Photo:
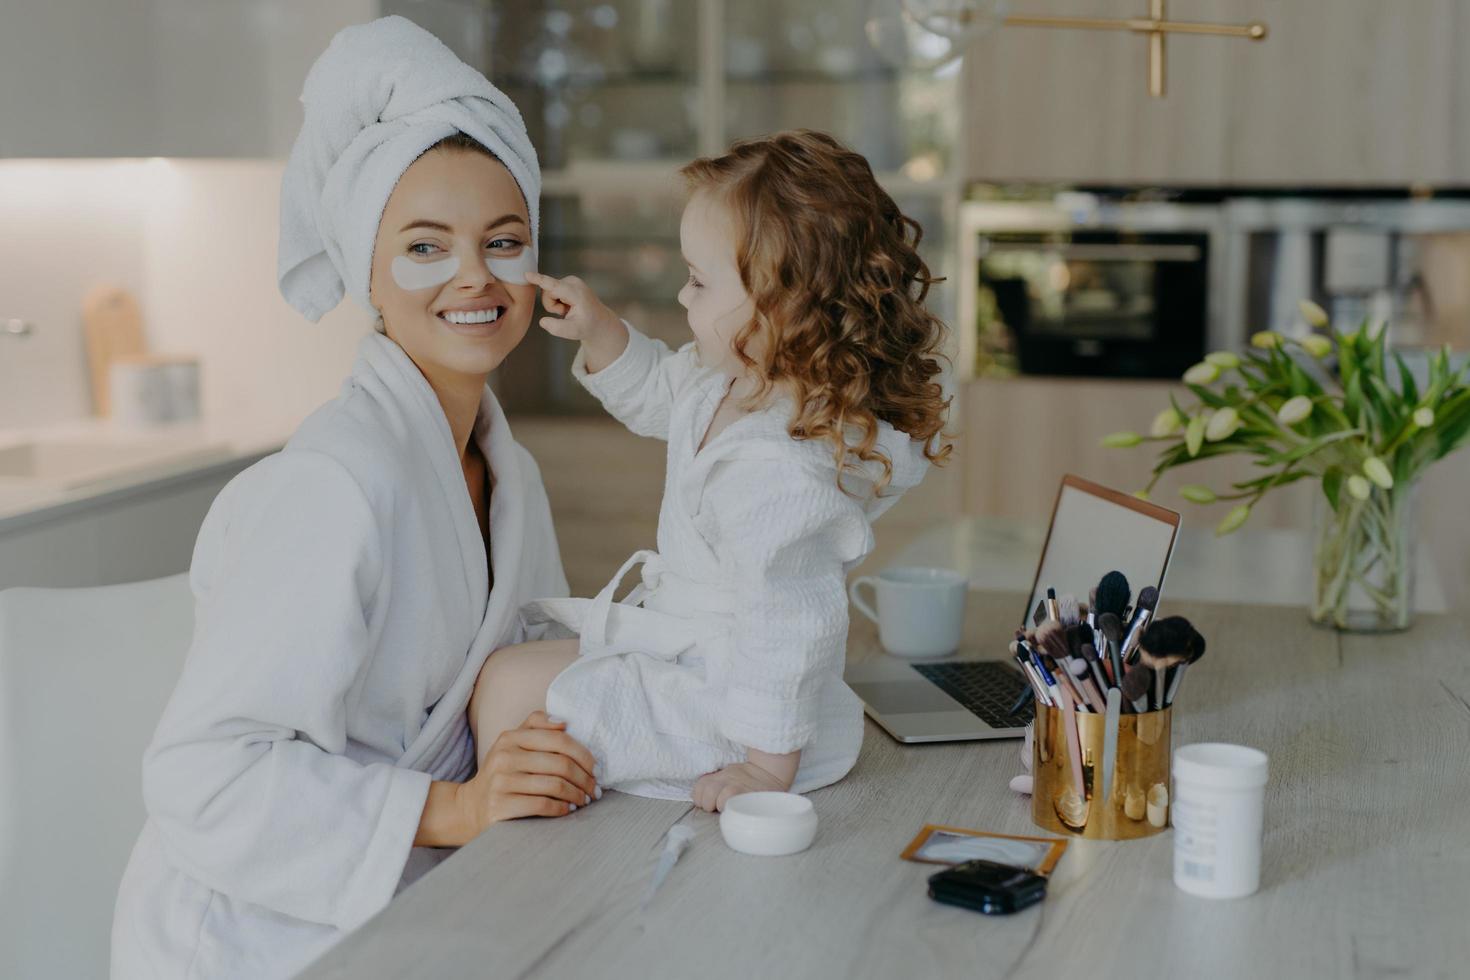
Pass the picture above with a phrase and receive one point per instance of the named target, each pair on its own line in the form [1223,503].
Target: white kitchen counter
[165,456]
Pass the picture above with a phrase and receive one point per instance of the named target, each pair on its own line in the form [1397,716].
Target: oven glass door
[1099,302]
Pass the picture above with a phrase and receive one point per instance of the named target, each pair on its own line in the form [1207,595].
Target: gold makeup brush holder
[1138,802]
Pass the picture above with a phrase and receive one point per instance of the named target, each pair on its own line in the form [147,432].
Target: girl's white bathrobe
[343,611]
[737,635]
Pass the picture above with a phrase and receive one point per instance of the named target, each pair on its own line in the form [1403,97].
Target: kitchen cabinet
[1018,436]
[174,78]
[1350,92]
[141,532]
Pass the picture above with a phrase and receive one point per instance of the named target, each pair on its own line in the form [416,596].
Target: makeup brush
[1178,677]
[1160,667]
[1112,595]
[1051,637]
[1083,679]
[1135,687]
[1033,687]
[1091,617]
[1063,679]
[1172,642]
[1052,609]
[1068,611]
[1028,643]
[1171,636]
[1148,601]
[1089,654]
[1077,639]
[1112,629]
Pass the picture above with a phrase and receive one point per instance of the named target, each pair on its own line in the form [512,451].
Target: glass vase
[1364,561]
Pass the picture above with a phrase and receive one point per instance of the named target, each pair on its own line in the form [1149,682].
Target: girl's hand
[577,312]
[712,790]
[537,770]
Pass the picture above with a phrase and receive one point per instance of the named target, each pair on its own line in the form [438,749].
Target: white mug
[921,611]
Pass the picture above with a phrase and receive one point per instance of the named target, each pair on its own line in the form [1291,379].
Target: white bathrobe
[343,611]
[737,635]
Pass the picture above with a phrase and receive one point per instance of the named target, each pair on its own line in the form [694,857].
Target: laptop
[1093,530]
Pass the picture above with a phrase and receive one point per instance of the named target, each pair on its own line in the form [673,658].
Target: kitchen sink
[69,463]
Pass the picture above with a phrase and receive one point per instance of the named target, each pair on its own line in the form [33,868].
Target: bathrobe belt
[663,616]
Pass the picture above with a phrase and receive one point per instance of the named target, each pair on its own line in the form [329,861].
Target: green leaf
[1332,485]
[1347,358]
[1300,383]
[1451,424]
[1403,464]
[1272,480]
[1406,380]
[1208,397]
[1375,361]
[1390,406]
[1352,399]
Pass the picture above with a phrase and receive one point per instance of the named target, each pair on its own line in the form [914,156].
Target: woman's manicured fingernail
[597,793]
[586,799]
[555,720]
[572,805]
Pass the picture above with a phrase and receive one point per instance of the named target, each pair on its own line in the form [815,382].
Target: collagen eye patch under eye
[413,275]
[423,275]
[514,268]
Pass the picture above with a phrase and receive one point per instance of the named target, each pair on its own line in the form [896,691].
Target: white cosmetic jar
[1218,810]
[768,824]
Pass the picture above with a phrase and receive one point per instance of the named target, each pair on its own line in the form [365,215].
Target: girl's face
[451,210]
[715,297]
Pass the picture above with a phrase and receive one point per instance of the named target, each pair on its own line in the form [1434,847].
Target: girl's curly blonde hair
[833,272]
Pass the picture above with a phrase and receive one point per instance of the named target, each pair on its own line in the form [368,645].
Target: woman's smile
[477,318]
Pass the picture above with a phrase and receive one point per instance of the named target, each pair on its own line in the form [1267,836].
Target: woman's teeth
[478,316]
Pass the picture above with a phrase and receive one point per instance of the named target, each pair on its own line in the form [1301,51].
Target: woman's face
[452,210]
[714,296]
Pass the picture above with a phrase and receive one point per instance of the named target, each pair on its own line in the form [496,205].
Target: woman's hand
[537,770]
[712,790]
[577,314]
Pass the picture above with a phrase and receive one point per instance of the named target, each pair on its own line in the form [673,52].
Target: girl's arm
[635,377]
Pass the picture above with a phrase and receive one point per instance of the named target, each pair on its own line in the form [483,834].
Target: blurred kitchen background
[1096,239]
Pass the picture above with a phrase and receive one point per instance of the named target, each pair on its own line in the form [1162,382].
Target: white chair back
[84,676]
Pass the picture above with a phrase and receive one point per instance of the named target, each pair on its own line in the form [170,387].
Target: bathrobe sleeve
[784,534]
[638,389]
[246,777]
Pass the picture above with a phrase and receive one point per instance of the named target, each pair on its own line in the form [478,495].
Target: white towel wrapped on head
[378,97]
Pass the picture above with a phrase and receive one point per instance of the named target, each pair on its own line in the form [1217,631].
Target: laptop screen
[1095,530]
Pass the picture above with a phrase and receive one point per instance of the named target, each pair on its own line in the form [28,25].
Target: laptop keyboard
[987,688]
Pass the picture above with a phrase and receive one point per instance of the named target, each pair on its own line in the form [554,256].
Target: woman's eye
[695,282]
[503,245]
[423,248]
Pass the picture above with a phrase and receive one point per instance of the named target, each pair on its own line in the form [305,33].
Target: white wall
[196,242]
[142,78]
[64,226]
[210,261]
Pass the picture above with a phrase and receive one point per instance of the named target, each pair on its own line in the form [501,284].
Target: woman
[348,589]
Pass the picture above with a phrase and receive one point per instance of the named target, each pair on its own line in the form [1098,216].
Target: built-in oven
[1078,286]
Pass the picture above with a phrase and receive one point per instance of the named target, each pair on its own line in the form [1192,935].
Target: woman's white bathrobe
[342,615]
[737,634]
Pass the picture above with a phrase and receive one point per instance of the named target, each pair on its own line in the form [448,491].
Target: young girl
[807,403]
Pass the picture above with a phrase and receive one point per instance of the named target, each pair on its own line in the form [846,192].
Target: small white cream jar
[768,824]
